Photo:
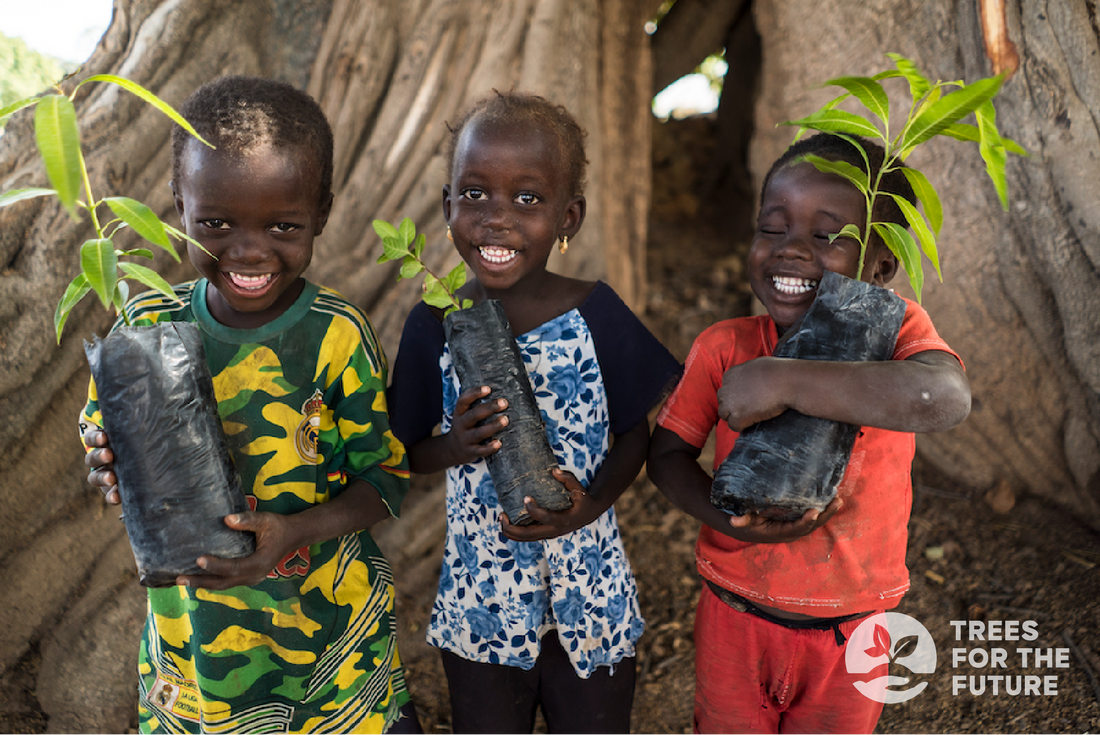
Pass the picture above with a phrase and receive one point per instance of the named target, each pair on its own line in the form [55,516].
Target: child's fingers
[99,457]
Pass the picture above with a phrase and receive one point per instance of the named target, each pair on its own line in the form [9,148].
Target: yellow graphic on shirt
[236,639]
[178,696]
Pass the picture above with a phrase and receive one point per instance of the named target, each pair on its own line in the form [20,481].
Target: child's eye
[474,195]
[527,198]
[285,227]
[214,224]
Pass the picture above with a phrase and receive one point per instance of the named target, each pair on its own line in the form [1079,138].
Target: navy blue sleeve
[415,395]
[638,370]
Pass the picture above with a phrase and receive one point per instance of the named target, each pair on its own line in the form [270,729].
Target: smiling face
[257,213]
[791,250]
[508,203]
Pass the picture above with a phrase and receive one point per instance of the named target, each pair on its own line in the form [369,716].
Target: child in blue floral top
[543,615]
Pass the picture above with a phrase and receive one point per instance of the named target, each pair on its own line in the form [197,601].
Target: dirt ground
[974,554]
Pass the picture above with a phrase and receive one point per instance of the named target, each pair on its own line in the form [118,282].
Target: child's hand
[751,394]
[551,524]
[101,460]
[758,529]
[469,441]
[273,543]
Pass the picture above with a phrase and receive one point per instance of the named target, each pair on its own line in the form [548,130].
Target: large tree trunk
[1019,298]
[389,74]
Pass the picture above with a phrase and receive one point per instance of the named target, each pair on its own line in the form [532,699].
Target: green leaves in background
[57,137]
[58,140]
[402,243]
[936,109]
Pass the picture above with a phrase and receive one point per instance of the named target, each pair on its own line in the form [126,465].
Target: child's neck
[528,308]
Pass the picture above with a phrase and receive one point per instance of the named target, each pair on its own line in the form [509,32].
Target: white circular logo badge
[890,638]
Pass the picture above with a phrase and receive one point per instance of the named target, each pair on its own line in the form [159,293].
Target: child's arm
[675,470]
[620,467]
[359,506]
[926,392]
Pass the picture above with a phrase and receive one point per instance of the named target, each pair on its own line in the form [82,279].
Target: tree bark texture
[1018,300]
[389,74]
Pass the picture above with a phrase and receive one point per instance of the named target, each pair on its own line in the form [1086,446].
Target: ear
[884,267]
[573,217]
[322,216]
[178,202]
[447,203]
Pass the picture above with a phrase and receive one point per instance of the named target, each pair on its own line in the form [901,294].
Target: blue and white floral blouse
[497,598]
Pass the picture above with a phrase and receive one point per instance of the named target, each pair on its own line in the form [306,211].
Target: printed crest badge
[308,431]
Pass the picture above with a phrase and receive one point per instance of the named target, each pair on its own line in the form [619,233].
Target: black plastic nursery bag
[175,475]
[485,353]
[787,465]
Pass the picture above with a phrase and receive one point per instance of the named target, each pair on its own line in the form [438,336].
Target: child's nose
[795,244]
[498,216]
[249,247]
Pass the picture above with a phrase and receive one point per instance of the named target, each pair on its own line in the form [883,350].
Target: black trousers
[492,698]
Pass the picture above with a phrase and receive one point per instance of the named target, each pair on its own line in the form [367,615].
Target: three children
[526,617]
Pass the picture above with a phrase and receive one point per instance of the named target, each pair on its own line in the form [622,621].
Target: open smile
[251,284]
[497,255]
[793,286]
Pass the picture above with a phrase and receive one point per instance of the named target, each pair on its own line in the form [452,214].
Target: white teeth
[497,255]
[249,282]
[793,286]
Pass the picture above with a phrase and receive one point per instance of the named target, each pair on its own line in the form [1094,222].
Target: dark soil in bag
[485,353]
[175,476]
[787,465]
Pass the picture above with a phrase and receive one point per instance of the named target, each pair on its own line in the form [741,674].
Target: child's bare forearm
[674,468]
[359,506]
[925,393]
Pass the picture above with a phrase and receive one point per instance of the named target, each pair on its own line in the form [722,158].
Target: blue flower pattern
[497,598]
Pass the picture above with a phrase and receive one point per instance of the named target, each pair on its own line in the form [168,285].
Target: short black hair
[836,148]
[517,107]
[238,112]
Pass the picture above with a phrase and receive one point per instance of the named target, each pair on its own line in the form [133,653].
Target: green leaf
[149,277]
[18,195]
[138,253]
[918,83]
[393,249]
[901,244]
[143,221]
[928,197]
[407,231]
[58,139]
[418,246]
[962,131]
[100,265]
[384,229]
[411,267]
[853,174]
[869,92]
[76,290]
[848,230]
[838,121]
[924,235]
[122,292]
[991,150]
[435,294]
[147,96]
[455,279]
[181,235]
[949,109]
[8,110]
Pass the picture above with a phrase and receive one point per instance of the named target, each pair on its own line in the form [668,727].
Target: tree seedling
[57,137]
[936,109]
[402,243]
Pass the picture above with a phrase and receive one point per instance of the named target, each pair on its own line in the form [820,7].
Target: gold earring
[563,245]
[449,235]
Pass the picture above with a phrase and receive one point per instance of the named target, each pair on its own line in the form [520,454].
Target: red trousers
[754,676]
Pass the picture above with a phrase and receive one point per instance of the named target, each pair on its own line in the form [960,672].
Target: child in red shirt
[781,597]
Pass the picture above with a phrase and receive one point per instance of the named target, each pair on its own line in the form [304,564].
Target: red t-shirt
[856,561]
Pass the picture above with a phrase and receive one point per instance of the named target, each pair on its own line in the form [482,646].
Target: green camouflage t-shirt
[313,647]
